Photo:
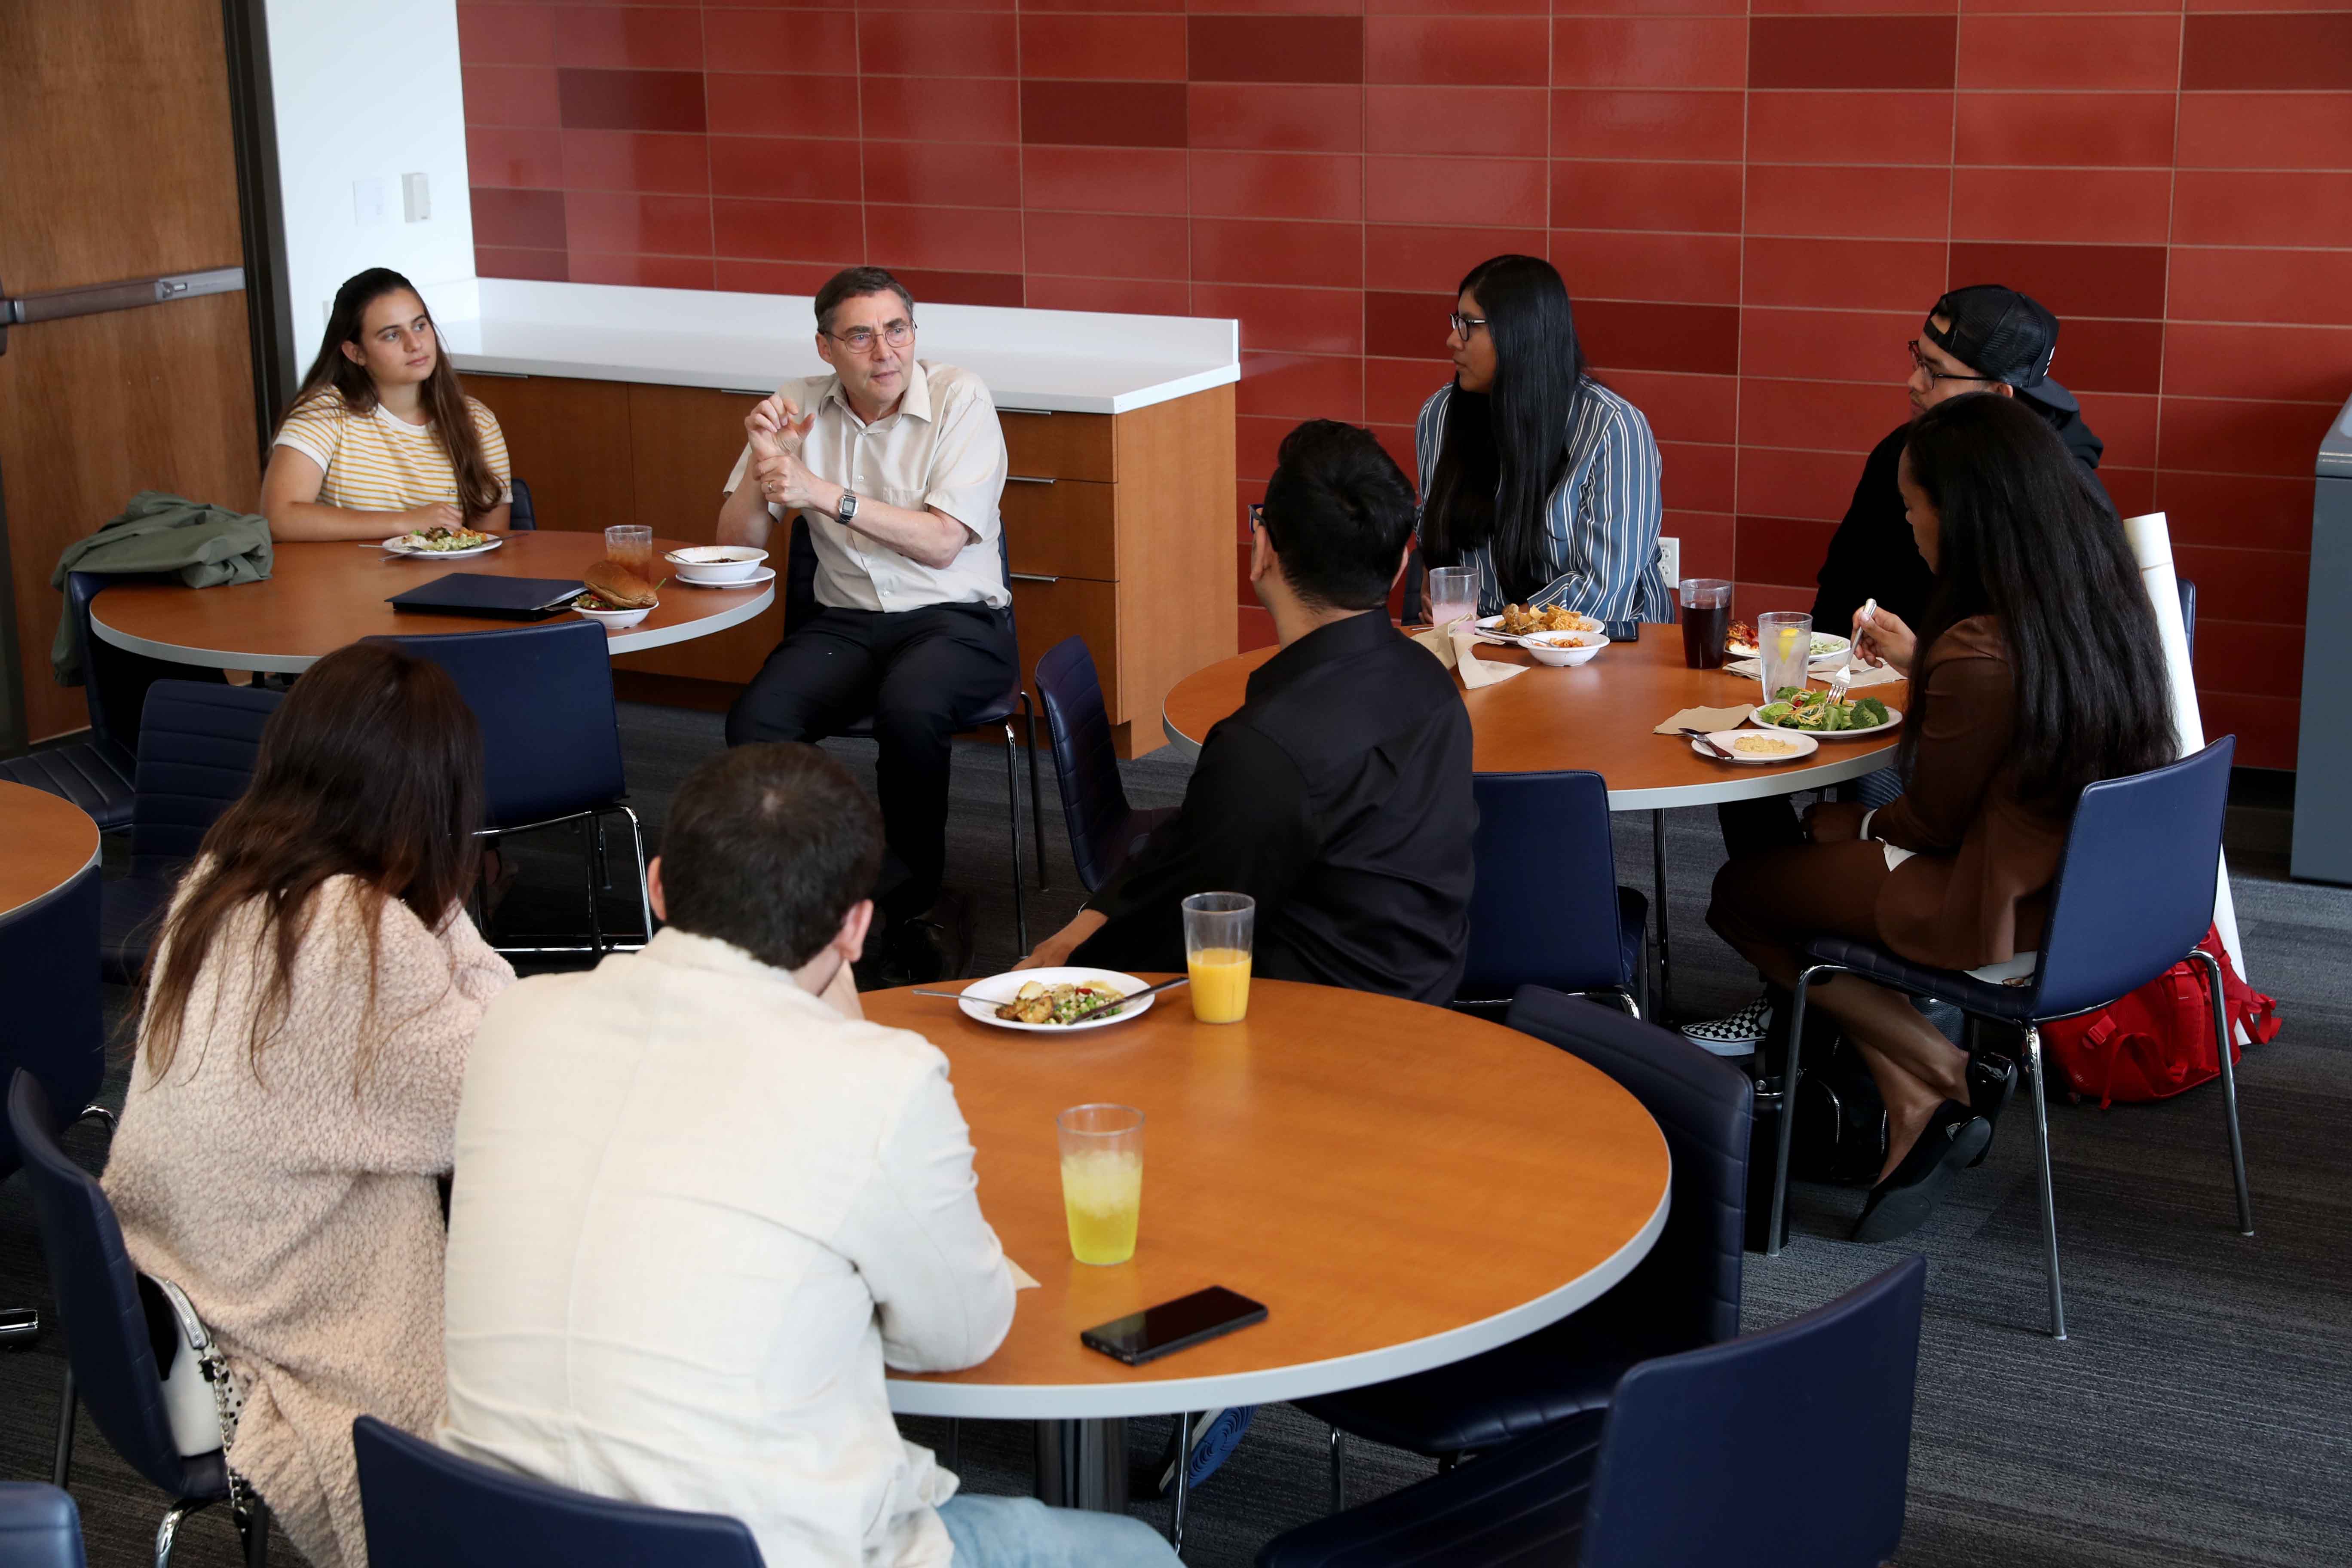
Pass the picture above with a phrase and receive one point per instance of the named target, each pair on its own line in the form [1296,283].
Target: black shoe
[930,948]
[1901,1204]
[1993,1079]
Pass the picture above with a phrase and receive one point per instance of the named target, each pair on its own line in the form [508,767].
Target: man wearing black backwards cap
[1980,339]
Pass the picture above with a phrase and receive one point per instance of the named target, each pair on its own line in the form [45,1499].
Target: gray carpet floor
[2197,1416]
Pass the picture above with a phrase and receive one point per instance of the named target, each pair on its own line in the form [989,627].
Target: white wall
[369,90]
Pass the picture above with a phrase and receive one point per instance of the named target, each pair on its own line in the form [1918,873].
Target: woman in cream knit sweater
[310,1002]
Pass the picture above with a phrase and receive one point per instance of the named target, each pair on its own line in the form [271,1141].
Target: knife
[1701,737]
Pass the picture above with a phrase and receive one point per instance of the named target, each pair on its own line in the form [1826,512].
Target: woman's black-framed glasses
[1935,376]
[858,339]
[1462,323]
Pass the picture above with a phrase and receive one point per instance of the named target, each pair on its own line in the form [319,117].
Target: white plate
[398,545]
[1893,718]
[617,620]
[1806,747]
[1818,661]
[764,575]
[981,998]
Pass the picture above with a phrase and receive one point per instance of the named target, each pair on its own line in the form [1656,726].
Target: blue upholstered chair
[54,1025]
[551,740]
[198,745]
[800,603]
[521,516]
[1547,910]
[1683,1295]
[427,1508]
[1695,1460]
[1105,830]
[2134,896]
[97,774]
[39,1527]
[110,1347]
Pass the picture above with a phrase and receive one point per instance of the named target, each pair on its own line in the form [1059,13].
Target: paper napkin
[1708,720]
[1454,653]
[1864,675]
[1020,1281]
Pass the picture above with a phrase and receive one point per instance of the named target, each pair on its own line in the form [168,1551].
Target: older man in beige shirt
[896,466]
[699,1210]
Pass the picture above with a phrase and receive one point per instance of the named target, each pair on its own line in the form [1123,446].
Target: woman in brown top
[2036,671]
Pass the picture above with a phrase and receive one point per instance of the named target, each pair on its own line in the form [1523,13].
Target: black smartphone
[1621,631]
[1173,1325]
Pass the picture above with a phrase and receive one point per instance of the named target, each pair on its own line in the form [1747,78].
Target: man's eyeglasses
[859,340]
[1257,520]
[1935,376]
[1462,324]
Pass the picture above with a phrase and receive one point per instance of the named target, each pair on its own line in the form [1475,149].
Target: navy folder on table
[481,594]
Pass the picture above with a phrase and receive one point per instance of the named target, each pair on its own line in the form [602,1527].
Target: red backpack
[2159,1040]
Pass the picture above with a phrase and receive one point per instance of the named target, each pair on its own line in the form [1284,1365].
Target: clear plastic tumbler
[1453,594]
[1102,1180]
[1784,649]
[1219,928]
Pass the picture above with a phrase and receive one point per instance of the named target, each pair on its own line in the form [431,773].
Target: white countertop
[1076,362]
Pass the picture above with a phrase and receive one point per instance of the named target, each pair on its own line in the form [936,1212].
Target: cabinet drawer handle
[1041,413]
[746,392]
[1025,479]
[1032,577]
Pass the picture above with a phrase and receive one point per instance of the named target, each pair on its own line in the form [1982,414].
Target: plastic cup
[1453,594]
[1706,620]
[1784,649]
[631,546]
[1102,1180]
[1219,928]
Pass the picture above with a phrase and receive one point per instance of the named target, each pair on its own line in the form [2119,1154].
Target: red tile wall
[1752,201]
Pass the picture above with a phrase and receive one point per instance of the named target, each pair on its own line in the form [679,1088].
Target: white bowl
[717,562]
[1563,648]
[614,620]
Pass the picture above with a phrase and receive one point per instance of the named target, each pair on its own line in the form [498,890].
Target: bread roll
[618,586]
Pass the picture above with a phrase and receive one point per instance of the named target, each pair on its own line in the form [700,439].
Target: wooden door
[116,162]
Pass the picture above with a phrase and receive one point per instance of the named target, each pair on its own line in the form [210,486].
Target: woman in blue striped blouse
[1531,469]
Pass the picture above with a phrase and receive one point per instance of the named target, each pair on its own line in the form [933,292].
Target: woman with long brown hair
[311,1002]
[382,439]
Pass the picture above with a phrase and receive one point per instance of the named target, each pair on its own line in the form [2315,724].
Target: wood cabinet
[1119,526]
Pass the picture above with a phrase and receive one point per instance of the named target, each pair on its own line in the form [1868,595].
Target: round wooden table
[1599,715]
[48,844]
[320,597]
[1402,1185]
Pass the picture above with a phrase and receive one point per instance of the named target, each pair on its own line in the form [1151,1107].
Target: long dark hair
[2028,539]
[372,768]
[444,396]
[1504,451]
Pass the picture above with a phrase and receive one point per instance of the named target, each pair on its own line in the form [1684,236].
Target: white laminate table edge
[1008,399]
[1162,1396]
[1759,785]
[39,899]
[630,641]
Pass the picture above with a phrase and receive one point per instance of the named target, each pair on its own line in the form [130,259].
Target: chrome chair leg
[1777,1222]
[2222,1042]
[1665,995]
[2049,1202]
[167,1531]
[19,1326]
[1184,1481]
[637,846]
[1036,793]
[253,1532]
[1625,997]
[61,1455]
[1338,1470]
[595,906]
[1012,813]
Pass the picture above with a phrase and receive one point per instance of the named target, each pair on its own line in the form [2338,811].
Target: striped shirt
[377,461]
[1600,524]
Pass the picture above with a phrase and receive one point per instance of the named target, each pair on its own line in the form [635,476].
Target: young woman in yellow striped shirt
[382,439]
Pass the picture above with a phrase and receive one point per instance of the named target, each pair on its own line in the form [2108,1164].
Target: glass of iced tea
[632,547]
[1219,928]
[1102,1180]
[1706,620]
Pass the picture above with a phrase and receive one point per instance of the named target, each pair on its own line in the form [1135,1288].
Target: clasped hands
[777,427]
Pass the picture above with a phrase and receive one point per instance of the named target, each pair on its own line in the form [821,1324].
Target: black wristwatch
[847,508]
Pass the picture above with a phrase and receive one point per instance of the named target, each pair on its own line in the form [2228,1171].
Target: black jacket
[1873,556]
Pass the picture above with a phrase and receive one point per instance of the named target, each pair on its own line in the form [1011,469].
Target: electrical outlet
[371,200]
[1670,559]
[416,198]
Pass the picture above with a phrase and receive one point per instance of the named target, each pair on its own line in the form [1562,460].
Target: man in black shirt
[1986,338]
[1338,795]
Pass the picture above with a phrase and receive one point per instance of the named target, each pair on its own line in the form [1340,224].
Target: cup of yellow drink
[1219,928]
[1102,1180]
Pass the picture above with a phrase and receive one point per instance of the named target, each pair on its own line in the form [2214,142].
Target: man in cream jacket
[700,1205]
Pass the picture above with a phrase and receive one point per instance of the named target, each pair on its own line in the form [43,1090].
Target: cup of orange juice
[1218,931]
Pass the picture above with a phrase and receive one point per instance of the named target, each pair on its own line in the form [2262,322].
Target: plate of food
[447,544]
[1564,647]
[1517,621]
[1045,1000]
[617,597]
[1827,649]
[1812,713]
[1755,749]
